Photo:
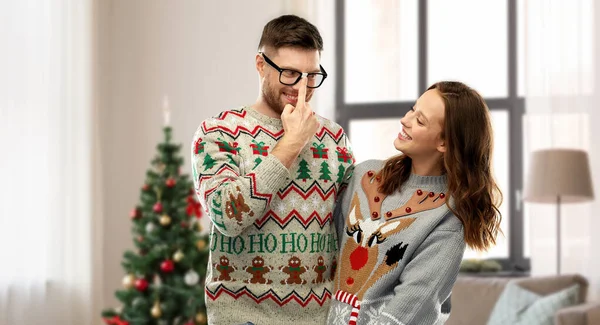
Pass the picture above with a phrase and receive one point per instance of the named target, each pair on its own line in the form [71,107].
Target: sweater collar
[263,118]
[425,181]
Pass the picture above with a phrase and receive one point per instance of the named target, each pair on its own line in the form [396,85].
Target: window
[389,52]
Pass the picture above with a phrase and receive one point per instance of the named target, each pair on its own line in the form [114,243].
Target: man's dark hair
[292,31]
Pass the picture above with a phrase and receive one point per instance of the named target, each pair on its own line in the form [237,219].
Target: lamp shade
[563,173]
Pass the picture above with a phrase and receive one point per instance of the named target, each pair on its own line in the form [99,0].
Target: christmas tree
[325,172]
[164,279]
[304,171]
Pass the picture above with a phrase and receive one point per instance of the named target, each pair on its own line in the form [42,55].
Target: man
[268,175]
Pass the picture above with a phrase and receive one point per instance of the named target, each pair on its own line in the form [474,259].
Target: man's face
[276,94]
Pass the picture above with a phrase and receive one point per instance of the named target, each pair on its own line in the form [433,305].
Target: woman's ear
[441,146]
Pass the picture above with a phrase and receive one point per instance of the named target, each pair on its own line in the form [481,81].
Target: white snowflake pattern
[315,202]
[374,314]
[314,163]
[293,201]
[281,207]
[341,311]
[305,208]
[246,123]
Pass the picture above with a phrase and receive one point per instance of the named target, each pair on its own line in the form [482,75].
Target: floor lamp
[559,176]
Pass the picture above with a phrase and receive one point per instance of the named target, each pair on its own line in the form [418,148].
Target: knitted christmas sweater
[399,254]
[273,245]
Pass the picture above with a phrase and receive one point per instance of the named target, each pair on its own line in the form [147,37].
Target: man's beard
[273,98]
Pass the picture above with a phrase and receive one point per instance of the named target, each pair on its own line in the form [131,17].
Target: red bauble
[170,182]
[157,207]
[141,284]
[145,187]
[135,213]
[167,266]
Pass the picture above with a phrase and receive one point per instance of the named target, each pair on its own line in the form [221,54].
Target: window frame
[515,105]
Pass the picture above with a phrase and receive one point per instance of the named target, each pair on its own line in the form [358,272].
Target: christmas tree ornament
[128,281]
[150,226]
[135,213]
[178,256]
[158,207]
[156,312]
[145,187]
[201,244]
[201,318]
[184,224]
[160,167]
[170,182]
[157,281]
[190,323]
[167,266]
[165,220]
[140,239]
[119,309]
[199,227]
[141,284]
[191,278]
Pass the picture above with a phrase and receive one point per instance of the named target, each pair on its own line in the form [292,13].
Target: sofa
[473,298]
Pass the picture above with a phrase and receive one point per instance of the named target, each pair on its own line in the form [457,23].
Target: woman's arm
[427,280]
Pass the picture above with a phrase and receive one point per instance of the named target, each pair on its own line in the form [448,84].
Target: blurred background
[82,85]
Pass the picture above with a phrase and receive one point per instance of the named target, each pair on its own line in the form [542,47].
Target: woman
[403,224]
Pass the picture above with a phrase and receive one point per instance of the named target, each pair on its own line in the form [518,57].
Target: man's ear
[260,65]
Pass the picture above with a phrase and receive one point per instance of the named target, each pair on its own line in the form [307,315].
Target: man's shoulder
[330,125]
[229,115]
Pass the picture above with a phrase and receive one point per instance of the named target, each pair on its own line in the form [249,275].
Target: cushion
[520,306]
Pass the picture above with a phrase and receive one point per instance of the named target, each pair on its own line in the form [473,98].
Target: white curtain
[49,224]
[561,104]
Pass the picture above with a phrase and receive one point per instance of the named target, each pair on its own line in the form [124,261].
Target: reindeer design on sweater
[359,268]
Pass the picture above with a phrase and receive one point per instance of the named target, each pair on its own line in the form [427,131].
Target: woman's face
[420,137]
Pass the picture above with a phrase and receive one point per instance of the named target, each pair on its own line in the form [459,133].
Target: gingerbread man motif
[234,207]
[225,269]
[320,268]
[294,269]
[258,270]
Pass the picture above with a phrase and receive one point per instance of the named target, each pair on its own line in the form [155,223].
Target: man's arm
[427,280]
[234,201]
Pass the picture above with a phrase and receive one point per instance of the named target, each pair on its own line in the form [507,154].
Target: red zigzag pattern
[294,214]
[293,296]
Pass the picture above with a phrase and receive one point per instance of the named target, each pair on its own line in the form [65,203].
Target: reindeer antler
[420,201]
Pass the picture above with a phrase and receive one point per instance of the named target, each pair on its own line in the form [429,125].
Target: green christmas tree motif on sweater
[340,174]
[304,171]
[257,162]
[209,162]
[325,172]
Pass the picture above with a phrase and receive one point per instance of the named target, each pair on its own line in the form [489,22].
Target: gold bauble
[201,244]
[178,256]
[201,318]
[165,220]
[199,226]
[155,311]
[128,281]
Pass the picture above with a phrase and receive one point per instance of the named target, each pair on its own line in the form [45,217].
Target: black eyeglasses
[291,77]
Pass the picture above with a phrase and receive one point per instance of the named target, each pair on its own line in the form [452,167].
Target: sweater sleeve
[233,200]
[427,280]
